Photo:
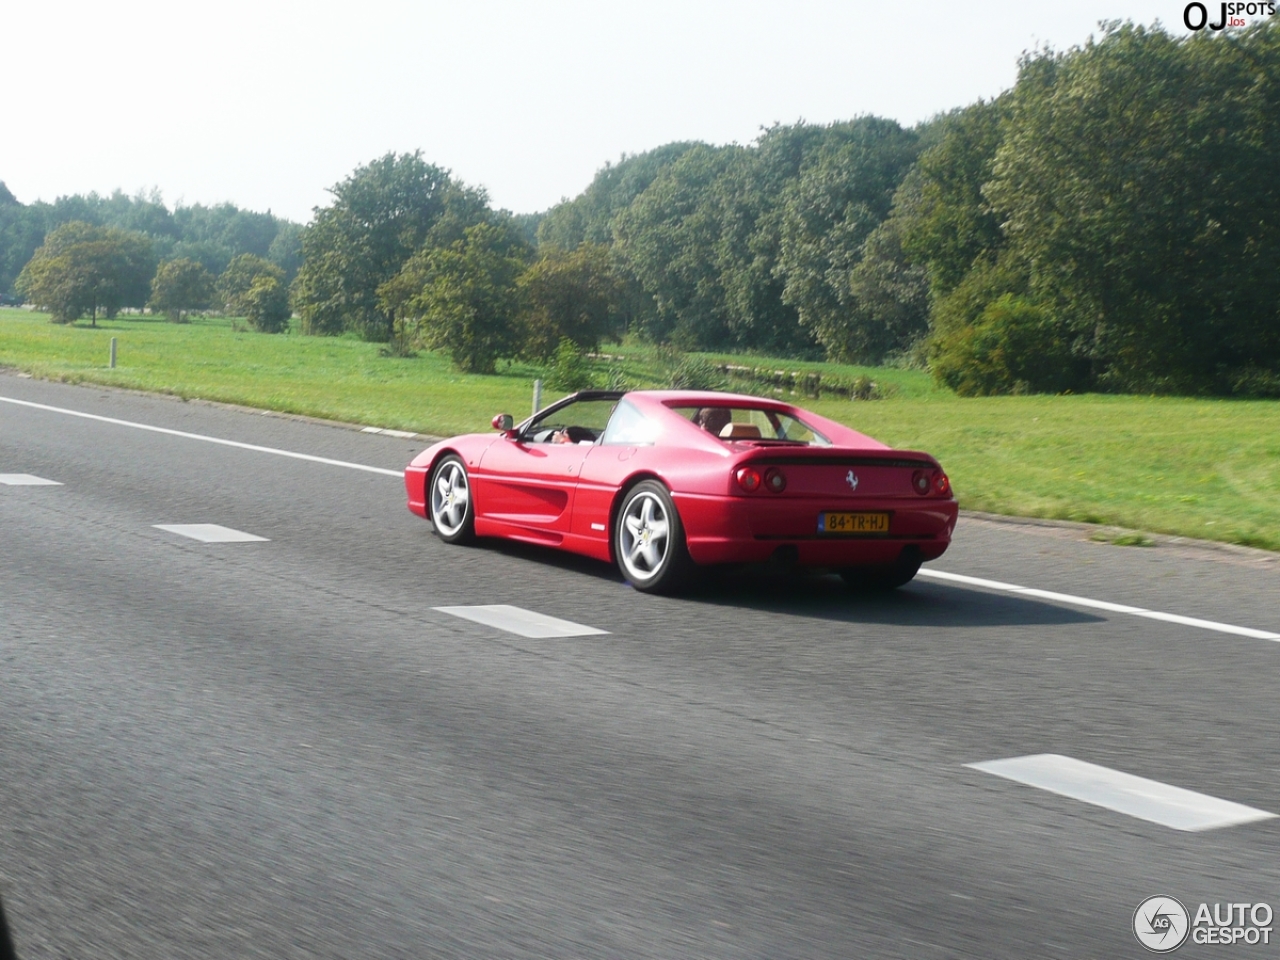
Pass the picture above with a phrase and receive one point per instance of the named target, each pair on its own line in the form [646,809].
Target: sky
[267,103]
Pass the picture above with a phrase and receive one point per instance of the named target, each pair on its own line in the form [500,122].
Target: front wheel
[648,541]
[449,495]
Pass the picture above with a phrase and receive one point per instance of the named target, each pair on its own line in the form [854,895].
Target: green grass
[332,377]
[1197,468]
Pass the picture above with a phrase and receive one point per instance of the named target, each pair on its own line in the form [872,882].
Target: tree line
[1110,223]
[82,269]
[209,235]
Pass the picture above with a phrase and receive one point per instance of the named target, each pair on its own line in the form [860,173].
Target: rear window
[753,423]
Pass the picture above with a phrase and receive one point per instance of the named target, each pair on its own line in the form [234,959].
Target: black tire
[449,505]
[884,579]
[648,541]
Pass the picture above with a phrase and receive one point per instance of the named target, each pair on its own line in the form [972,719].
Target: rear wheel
[883,579]
[648,541]
[449,497]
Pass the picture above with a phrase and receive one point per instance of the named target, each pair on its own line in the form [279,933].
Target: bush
[697,373]
[1013,346]
[569,370]
[617,380]
[1256,382]
[237,281]
[569,294]
[266,304]
[179,287]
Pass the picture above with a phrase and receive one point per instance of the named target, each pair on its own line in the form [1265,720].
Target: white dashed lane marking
[1124,793]
[1101,605]
[26,480]
[526,623]
[210,533]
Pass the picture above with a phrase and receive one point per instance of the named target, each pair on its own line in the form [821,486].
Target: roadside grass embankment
[1208,469]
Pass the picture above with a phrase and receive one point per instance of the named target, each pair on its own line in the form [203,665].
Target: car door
[629,431]
[528,483]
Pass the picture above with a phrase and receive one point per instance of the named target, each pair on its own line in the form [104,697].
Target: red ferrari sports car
[664,481]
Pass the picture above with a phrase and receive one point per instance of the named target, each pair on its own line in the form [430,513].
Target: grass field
[1198,468]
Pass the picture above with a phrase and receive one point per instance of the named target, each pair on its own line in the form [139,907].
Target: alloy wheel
[645,536]
[450,498]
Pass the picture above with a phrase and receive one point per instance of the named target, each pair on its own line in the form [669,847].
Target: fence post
[537,395]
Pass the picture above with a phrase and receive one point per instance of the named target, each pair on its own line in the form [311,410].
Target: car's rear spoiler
[781,453]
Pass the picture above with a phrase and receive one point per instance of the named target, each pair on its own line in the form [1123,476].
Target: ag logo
[1161,924]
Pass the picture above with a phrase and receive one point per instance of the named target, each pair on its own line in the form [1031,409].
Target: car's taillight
[925,482]
[748,479]
[775,480]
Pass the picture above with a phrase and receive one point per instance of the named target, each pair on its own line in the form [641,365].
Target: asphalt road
[280,749]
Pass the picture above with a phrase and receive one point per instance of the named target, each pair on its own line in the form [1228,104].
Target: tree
[888,298]
[181,286]
[463,298]
[588,218]
[286,249]
[381,216]
[1135,178]
[736,245]
[215,235]
[22,231]
[947,223]
[237,280]
[756,318]
[572,295]
[669,236]
[144,212]
[81,268]
[210,235]
[843,193]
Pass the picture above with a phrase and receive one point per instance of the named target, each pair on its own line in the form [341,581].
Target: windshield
[753,423]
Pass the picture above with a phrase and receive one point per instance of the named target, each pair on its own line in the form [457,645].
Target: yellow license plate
[853,523]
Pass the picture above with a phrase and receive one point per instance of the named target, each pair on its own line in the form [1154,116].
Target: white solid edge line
[198,436]
[1101,605]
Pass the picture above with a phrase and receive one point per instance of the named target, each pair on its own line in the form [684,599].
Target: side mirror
[504,423]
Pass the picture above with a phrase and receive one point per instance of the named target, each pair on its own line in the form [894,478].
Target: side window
[629,426]
[580,422]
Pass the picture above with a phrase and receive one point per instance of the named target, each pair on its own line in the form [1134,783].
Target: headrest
[740,431]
